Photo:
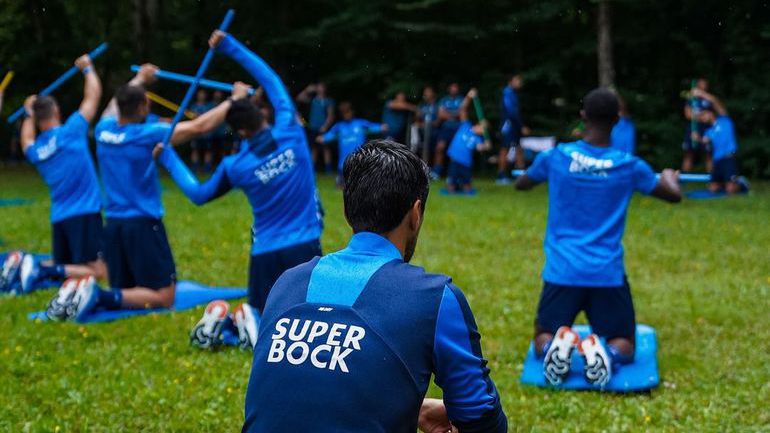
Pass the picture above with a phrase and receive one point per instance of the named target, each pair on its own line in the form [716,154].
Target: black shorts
[511,137]
[201,143]
[138,254]
[687,143]
[610,310]
[447,132]
[458,175]
[264,269]
[78,240]
[724,170]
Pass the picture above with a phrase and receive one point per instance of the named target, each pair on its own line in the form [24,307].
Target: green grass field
[700,273]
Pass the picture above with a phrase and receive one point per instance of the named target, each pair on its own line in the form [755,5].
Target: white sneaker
[84,300]
[30,269]
[558,359]
[598,369]
[207,333]
[244,320]
[62,301]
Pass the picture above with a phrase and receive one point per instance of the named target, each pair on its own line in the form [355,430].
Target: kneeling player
[468,139]
[60,153]
[590,186]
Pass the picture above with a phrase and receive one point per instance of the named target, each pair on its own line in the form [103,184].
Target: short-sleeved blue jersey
[395,119]
[722,137]
[350,135]
[509,108]
[452,104]
[588,195]
[623,136]
[273,168]
[319,112]
[62,157]
[350,341]
[428,111]
[464,144]
[128,171]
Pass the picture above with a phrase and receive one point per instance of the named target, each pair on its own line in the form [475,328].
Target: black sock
[110,299]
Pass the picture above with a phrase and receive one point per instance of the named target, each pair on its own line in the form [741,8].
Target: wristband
[86,70]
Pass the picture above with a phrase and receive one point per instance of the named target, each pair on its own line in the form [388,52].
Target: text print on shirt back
[276,166]
[589,165]
[325,345]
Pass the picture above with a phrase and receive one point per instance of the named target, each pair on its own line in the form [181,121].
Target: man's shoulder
[411,278]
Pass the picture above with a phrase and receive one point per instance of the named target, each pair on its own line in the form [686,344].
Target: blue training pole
[59,81]
[683,178]
[198,75]
[182,78]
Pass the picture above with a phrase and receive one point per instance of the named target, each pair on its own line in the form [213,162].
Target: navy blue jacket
[348,343]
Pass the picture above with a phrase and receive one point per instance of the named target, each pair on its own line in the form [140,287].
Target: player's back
[346,344]
[128,170]
[275,171]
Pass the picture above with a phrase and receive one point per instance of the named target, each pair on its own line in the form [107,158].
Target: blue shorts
[138,254]
[447,131]
[687,143]
[724,170]
[511,136]
[610,310]
[458,175]
[264,269]
[78,240]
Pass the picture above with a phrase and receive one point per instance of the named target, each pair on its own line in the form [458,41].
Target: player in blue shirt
[511,129]
[273,168]
[427,120]
[350,134]
[140,265]
[395,114]
[623,135]
[320,119]
[468,139]
[693,143]
[60,153]
[449,115]
[590,186]
[720,136]
[348,342]
[202,144]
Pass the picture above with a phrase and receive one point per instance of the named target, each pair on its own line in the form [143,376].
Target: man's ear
[415,215]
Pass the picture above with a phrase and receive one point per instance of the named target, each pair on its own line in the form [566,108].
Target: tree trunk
[145,14]
[604,49]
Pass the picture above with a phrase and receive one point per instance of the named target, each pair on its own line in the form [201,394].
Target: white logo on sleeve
[324,345]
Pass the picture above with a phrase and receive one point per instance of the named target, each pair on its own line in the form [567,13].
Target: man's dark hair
[44,107]
[243,114]
[382,180]
[601,107]
[130,99]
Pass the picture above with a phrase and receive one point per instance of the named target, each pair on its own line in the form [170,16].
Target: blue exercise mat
[14,201]
[42,284]
[704,194]
[459,193]
[188,295]
[640,375]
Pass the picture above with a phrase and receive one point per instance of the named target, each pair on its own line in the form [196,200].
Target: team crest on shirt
[276,166]
[589,165]
[46,150]
[323,345]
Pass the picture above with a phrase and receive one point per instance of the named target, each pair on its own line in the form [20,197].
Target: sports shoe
[61,302]
[743,183]
[598,368]
[244,320]
[30,270]
[9,275]
[207,334]
[85,299]
[558,358]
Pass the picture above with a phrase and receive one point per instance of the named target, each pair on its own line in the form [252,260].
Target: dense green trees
[368,49]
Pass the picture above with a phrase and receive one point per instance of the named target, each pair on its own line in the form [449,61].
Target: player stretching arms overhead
[590,186]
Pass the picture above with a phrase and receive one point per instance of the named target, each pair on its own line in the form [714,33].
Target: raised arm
[261,71]
[719,107]
[92,89]
[143,77]
[304,96]
[536,173]
[470,396]
[464,115]
[199,193]
[28,124]
[210,120]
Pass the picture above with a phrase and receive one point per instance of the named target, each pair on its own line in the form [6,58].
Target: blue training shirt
[62,157]
[510,110]
[395,119]
[273,168]
[452,105]
[722,137]
[623,135]
[463,144]
[319,112]
[348,343]
[350,135]
[588,195]
[128,171]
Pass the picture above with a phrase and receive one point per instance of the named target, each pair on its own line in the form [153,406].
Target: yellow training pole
[154,97]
